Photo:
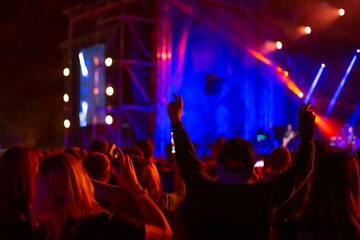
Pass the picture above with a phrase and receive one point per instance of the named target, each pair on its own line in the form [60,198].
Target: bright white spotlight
[66,123]
[341,12]
[66,72]
[301,95]
[66,97]
[279,45]
[313,85]
[84,70]
[109,91]
[358,50]
[108,62]
[307,30]
[109,119]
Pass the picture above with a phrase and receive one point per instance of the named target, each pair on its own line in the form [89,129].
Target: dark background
[31,66]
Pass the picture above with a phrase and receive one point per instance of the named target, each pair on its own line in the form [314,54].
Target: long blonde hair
[63,192]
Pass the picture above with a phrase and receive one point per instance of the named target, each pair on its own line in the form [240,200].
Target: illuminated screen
[92,85]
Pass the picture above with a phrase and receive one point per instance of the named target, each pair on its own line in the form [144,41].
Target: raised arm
[190,168]
[156,225]
[287,183]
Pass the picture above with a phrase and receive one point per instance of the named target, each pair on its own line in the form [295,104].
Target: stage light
[84,107]
[108,62]
[66,72]
[324,125]
[342,83]
[66,97]
[109,119]
[313,85]
[109,91]
[307,30]
[96,61]
[279,45]
[83,67]
[286,73]
[301,95]
[358,50]
[66,123]
[260,57]
[341,12]
[278,69]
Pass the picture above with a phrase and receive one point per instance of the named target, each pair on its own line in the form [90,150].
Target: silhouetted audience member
[333,209]
[296,205]
[225,209]
[80,151]
[166,169]
[134,150]
[74,153]
[147,148]
[18,168]
[99,145]
[168,202]
[97,165]
[279,161]
[65,207]
[211,162]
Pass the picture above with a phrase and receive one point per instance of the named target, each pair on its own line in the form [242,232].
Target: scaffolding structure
[137,36]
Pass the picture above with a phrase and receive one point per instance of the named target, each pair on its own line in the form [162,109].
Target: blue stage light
[341,85]
[313,85]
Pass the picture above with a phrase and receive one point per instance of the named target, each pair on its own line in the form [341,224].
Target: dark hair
[134,150]
[146,147]
[18,166]
[99,145]
[237,155]
[73,153]
[280,159]
[334,195]
[97,165]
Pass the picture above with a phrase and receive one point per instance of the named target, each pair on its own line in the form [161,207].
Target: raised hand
[175,108]
[125,172]
[307,122]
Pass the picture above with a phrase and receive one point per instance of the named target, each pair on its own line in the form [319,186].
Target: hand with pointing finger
[175,108]
[307,122]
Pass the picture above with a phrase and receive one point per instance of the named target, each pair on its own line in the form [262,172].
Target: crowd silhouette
[105,192]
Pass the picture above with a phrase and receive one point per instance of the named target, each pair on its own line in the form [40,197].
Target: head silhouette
[237,155]
[18,167]
[146,147]
[280,159]
[99,145]
[97,165]
[334,196]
